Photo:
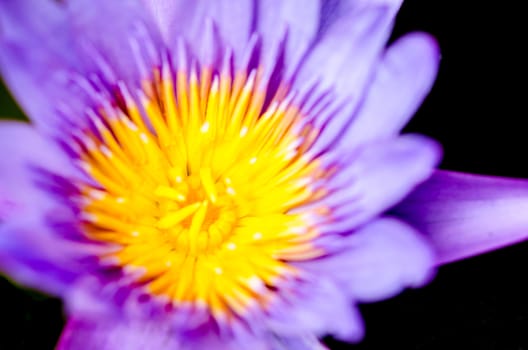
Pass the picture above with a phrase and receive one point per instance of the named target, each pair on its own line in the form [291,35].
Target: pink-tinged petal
[376,177]
[378,261]
[404,77]
[36,51]
[298,18]
[465,215]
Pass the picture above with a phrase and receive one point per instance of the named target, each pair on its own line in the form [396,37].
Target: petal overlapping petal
[378,260]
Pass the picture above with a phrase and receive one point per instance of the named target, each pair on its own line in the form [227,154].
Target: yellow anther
[172,219]
[208,184]
[169,193]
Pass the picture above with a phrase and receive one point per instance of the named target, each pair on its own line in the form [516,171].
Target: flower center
[202,188]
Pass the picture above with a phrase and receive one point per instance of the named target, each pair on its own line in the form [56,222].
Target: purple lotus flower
[217,174]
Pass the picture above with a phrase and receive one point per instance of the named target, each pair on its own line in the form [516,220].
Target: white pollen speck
[129,123]
[218,270]
[257,235]
[120,200]
[178,179]
[106,151]
[90,144]
[88,217]
[230,191]
[144,137]
[253,160]
[200,304]
[255,283]
[135,233]
[231,246]
[205,127]
[168,263]
[243,131]
[97,195]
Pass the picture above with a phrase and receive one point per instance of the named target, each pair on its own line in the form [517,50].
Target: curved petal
[405,75]
[36,50]
[319,307]
[29,152]
[464,215]
[378,261]
[376,177]
[351,40]
[51,50]
[30,248]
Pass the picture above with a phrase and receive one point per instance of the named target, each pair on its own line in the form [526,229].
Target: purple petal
[115,334]
[300,18]
[28,150]
[30,249]
[118,35]
[233,19]
[464,215]
[351,40]
[36,49]
[405,75]
[319,307]
[349,44]
[378,260]
[376,177]
[111,334]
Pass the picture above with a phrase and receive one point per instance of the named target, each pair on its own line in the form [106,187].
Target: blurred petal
[36,51]
[107,334]
[29,151]
[31,249]
[405,75]
[378,261]
[465,215]
[118,35]
[319,307]
[378,176]
[111,334]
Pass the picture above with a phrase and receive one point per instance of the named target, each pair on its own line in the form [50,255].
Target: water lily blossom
[212,174]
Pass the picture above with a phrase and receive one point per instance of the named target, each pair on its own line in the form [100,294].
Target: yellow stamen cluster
[196,188]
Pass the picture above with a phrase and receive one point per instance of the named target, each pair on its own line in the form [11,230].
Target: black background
[477,111]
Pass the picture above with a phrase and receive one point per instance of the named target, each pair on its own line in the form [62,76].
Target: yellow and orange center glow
[200,189]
